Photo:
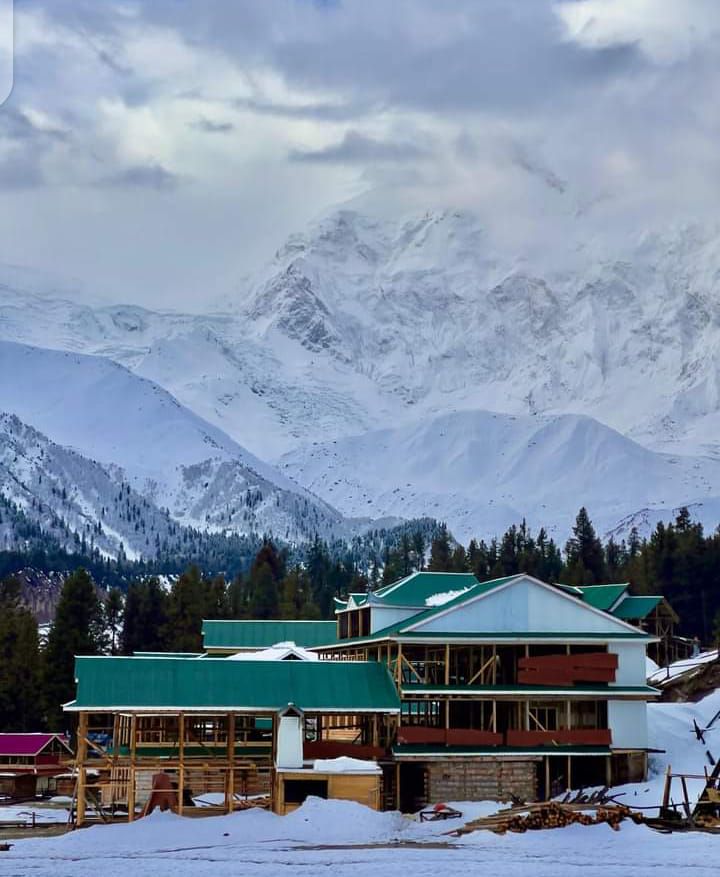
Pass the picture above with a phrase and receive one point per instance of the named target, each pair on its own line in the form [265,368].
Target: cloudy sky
[159,150]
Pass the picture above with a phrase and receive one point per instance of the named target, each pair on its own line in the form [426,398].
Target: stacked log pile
[550,814]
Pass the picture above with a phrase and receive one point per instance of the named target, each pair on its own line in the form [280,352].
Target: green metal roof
[215,683]
[417,588]
[636,607]
[602,596]
[167,654]
[263,634]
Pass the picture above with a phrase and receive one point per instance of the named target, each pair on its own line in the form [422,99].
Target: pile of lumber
[550,814]
[249,803]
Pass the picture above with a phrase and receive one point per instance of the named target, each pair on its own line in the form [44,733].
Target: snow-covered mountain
[484,471]
[367,323]
[140,434]
[73,499]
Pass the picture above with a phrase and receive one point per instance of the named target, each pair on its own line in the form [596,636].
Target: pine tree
[584,553]
[21,706]
[145,619]
[77,630]
[441,552]
[113,610]
[192,599]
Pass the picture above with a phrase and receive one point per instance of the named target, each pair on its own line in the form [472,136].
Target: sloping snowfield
[342,838]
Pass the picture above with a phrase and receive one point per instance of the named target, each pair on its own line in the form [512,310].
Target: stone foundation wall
[477,779]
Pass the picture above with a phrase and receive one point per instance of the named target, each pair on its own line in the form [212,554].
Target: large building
[511,687]
[441,688]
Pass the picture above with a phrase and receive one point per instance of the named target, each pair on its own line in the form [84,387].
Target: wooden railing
[578,737]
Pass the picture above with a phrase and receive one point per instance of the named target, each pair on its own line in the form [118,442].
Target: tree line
[155,614]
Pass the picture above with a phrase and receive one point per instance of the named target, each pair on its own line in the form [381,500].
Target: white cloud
[665,30]
[531,111]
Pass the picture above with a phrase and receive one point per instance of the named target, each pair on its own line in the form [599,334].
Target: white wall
[627,720]
[290,742]
[631,663]
[384,616]
[524,607]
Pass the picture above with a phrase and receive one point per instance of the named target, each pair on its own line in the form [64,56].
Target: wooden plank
[82,733]
[230,773]
[131,784]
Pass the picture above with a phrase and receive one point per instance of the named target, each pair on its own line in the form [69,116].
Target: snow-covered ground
[679,668]
[347,840]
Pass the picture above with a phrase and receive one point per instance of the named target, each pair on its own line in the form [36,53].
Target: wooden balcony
[577,737]
[418,734]
[567,670]
[339,748]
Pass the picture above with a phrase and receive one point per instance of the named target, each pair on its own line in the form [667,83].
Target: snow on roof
[26,744]
[684,667]
[344,764]
[445,597]
[279,652]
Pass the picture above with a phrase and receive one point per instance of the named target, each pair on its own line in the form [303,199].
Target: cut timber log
[550,814]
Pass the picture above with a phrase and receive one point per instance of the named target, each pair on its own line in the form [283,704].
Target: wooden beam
[447,664]
[82,733]
[181,764]
[482,670]
[230,775]
[131,778]
[411,668]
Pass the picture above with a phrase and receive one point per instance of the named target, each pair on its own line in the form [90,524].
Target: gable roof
[616,600]
[279,652]
[27,745]
[210,684]
[235,634]
[409,626]
[602,596]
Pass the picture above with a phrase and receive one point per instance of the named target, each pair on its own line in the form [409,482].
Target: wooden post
[131,778]
[548,791]
[230,776]
[82,733]
[494,716]
[115,754]
[569,773]
[447,664]
[568,716]
[398,668]
[397,784]
[666,790]
[608,770]
[181,768]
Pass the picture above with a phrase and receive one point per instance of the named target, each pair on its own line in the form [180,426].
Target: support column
[181,768]
[230,775]
[82,733]
[548,790]
[399,665]
[569,773]
[447,664]
[131,778]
